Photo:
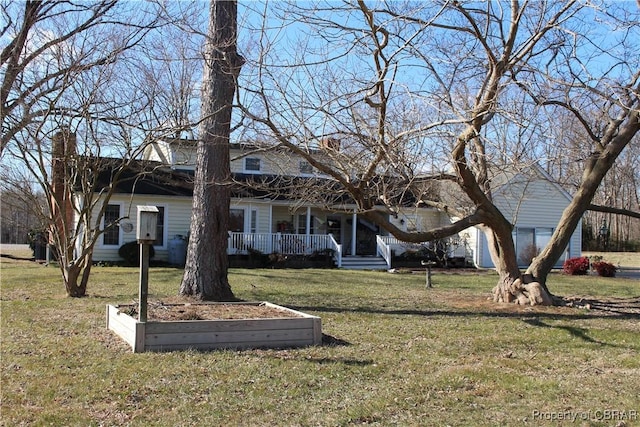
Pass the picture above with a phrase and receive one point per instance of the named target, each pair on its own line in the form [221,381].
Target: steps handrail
[384,250]
[337,248]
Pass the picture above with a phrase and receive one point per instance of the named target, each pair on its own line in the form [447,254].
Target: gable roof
[531,172]
[444,188]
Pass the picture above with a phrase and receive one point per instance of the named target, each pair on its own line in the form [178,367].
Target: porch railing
[288,244]
[388,244]
[337,248]
[383,245]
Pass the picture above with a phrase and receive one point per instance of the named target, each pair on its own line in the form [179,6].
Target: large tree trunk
[511,286]
[206,266]
[595,170]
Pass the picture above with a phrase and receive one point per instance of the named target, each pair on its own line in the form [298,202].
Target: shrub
[130,252]
[576,266]
[604,269]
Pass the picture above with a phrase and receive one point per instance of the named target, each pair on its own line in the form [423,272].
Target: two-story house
[266,220]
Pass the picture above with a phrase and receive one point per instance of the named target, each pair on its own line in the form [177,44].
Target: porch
[308,244]
[284,243]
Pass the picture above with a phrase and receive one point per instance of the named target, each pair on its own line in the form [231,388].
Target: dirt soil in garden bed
[182,308]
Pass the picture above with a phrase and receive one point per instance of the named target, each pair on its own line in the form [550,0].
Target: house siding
[177,220]
[181,155]
[528,203]
[159,152]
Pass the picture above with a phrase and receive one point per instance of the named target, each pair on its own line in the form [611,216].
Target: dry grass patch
[395,354]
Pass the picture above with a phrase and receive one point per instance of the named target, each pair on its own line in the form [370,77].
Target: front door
[334,226]
[366,238]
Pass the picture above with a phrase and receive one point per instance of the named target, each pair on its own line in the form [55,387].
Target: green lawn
[396,354]
[622,259]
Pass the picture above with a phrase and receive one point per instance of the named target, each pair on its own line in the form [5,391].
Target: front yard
[394,353]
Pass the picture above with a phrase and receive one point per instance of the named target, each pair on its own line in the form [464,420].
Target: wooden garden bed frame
[299,330]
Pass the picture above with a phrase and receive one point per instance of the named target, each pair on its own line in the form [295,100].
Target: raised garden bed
[233,325]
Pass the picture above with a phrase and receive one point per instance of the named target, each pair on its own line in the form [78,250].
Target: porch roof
[147,177]
[154,178]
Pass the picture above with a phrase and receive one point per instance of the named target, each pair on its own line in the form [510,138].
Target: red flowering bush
[604,269]
[576,266]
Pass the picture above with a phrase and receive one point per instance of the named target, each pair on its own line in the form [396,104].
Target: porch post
[270,243]
[354,224]
[308,227]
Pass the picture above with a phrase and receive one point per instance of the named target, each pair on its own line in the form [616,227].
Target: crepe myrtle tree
[75,116]
[409,89]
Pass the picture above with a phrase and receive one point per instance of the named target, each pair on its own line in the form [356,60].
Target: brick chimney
[331,144]
[63,150]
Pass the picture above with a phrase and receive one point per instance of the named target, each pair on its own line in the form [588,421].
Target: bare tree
[576,82]
[614,210]
[206,266]
[52,43]
[409,88]
[18,222]
[73,118]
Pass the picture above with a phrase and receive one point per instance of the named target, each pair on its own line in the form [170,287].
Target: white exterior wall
[528,204]
[177,221]
[177,211]
[419,219]
[182,155]
[158,151]
[271,163]
[263,212]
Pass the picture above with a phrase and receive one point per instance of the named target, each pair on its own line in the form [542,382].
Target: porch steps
[364,263]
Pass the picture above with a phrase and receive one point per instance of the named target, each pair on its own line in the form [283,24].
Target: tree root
[532,293]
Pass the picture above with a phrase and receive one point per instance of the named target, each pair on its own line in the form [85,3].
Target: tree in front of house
[409,91]
[205,274]
[75,113]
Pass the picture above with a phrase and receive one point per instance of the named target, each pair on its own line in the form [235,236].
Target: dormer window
[305,167]
[252,164]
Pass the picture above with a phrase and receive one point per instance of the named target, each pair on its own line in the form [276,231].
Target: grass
[622,259]
[398,354]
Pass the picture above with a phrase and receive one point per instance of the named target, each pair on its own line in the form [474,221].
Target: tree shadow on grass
[622,308]
[17,257]
[331,341]
[340,360]
[573,331]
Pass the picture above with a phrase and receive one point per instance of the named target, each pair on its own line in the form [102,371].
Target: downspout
[478,252]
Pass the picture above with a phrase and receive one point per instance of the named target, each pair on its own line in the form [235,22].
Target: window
[252,164]
[302,224]
[305,167]
[530,241]
[525,245]
[160,227]
[111,234]
[236,220]
[254,221]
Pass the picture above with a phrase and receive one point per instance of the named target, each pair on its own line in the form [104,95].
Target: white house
[531,201]
[259,221]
